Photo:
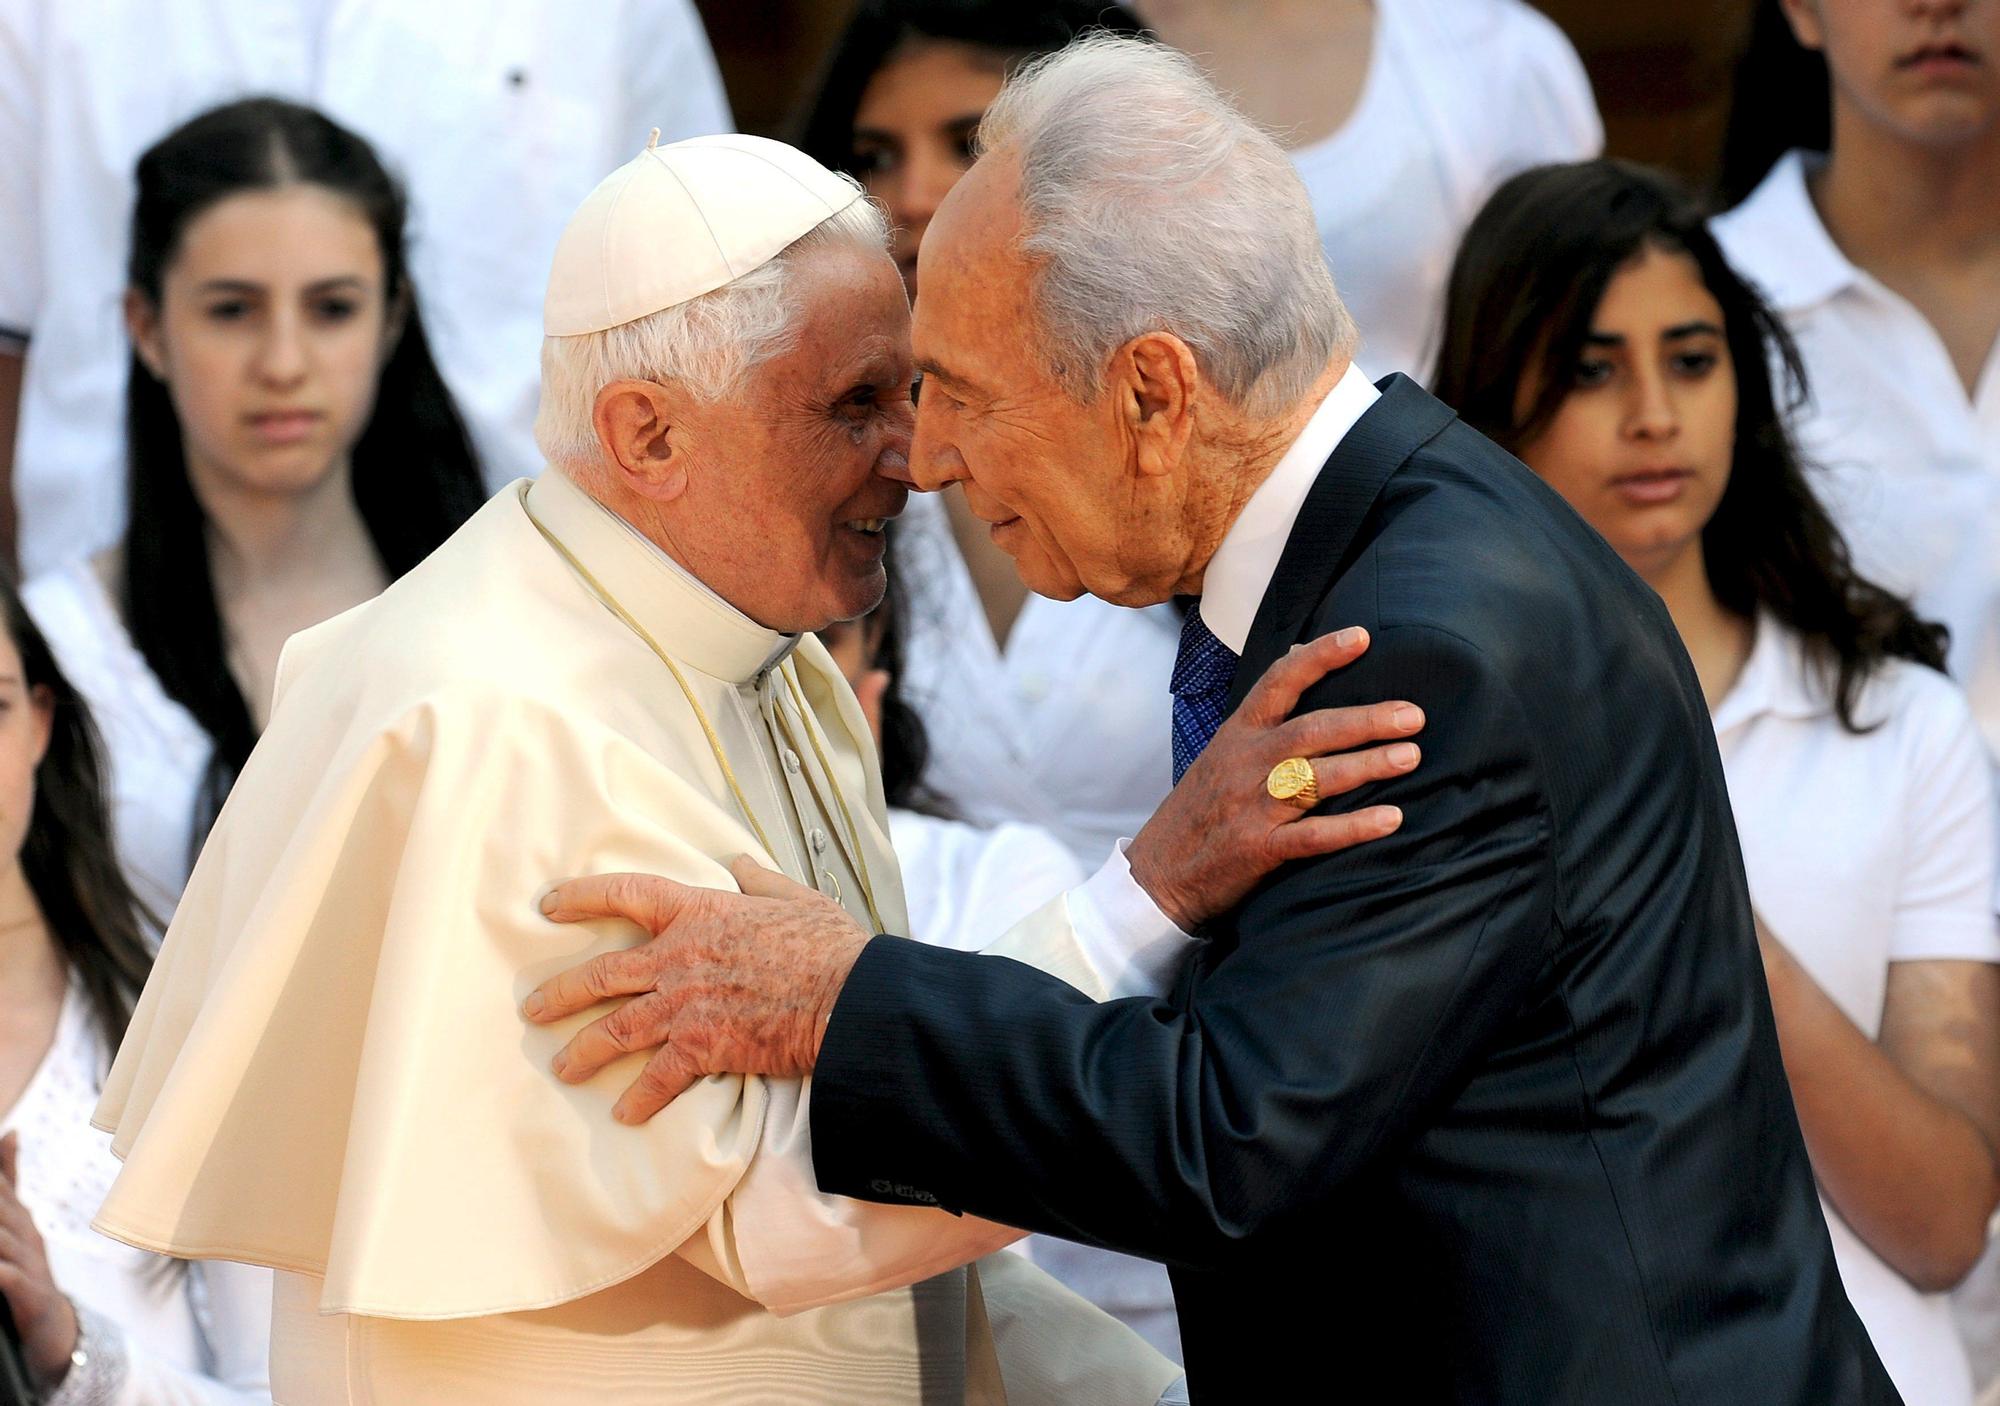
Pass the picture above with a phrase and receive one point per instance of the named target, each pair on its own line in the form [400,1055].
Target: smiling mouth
[870,526]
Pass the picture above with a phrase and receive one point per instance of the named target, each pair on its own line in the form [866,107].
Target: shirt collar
[1777,680]
[1777,240]
[683,615]
[1240,572]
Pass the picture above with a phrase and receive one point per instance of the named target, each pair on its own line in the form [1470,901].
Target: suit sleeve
[1359,992]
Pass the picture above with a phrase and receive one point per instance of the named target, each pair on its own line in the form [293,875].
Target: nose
[1650,413]
[894,460]
[928,175]
[935,462]
[281,355]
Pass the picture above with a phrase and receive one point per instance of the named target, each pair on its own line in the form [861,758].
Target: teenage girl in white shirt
[99,1322]
[1593,327]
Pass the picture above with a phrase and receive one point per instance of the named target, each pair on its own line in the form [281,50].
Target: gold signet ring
[1293,782]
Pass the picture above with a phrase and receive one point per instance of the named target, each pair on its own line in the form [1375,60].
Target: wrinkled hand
[1219,832]
[44,1318]
[731,983]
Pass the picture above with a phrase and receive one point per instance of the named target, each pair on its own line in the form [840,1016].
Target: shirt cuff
[1134,947]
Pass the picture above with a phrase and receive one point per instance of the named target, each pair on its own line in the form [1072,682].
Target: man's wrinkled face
[1053,478]
[795,476]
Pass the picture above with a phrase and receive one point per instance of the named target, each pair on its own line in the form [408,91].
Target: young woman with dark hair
[98,1321]
[292,449]
[1593,327]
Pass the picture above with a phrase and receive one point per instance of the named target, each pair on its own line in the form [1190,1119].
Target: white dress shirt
[1906,462]
[191,1334]
[1460,94]
[1240,572]
[1863,850]
[500,116]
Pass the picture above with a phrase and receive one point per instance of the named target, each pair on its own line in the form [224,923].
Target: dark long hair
[1781,99]
[415,476]
[68,858]
[1523,293]
[1012,30]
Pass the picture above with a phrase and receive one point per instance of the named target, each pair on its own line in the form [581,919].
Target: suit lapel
[1404,419]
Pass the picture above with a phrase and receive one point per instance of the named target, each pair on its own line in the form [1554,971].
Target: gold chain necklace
[625,617]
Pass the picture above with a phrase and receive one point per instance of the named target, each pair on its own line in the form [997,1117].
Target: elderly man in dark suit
[1490,1110]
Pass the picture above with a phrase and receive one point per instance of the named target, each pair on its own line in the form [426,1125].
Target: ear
[1804,18]
[142,324]
[1155,379]
[636,427]
[43,702]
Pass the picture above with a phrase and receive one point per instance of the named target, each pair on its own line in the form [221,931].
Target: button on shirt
[1907,464]
[1863,850]
[500,116]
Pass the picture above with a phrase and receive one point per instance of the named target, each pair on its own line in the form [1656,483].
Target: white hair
[707,344]
[1150,203]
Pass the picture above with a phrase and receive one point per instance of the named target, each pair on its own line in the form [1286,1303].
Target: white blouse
[1863,850]
[1067,728]
[1460,95]
[154,750]
[965,886]
[188,1334]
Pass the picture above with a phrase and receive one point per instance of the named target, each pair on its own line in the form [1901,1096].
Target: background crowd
[264,266]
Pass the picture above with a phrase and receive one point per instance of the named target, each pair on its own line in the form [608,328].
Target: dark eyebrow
[342,282]
[1603,339]
[1692,329]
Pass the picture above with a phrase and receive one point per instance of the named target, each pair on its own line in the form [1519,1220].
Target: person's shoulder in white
[1511,69]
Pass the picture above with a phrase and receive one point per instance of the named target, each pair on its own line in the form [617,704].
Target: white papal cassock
[328,1074]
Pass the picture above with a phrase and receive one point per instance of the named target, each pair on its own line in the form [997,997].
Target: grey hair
[707,344]
[1150,203]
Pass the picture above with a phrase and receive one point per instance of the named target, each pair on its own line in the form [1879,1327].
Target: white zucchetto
[681,220]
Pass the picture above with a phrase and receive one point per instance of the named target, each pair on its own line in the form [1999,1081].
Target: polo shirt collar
[1778,680]
[1778,242]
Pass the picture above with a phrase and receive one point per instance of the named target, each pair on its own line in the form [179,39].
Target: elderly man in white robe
[607,670]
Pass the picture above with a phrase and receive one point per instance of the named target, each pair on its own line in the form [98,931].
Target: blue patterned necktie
[1202,674]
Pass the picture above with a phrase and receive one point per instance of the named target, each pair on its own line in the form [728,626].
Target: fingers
[1273,697]
[646,899]
[1351,770]
[604,977]
[758,882]
[667,1075]
[1327,730]
[637,1025]
[10,1158]
[1329,834]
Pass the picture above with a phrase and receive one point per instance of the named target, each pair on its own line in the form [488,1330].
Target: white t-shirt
[191,1335]
[1862,850]
[1068,728]
[965,886]
[1460,95]
[500,116]
[1907,464]
[155,753]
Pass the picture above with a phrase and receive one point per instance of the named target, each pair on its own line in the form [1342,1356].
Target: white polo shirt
[499,115]
[1908,465]
[1863,850]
